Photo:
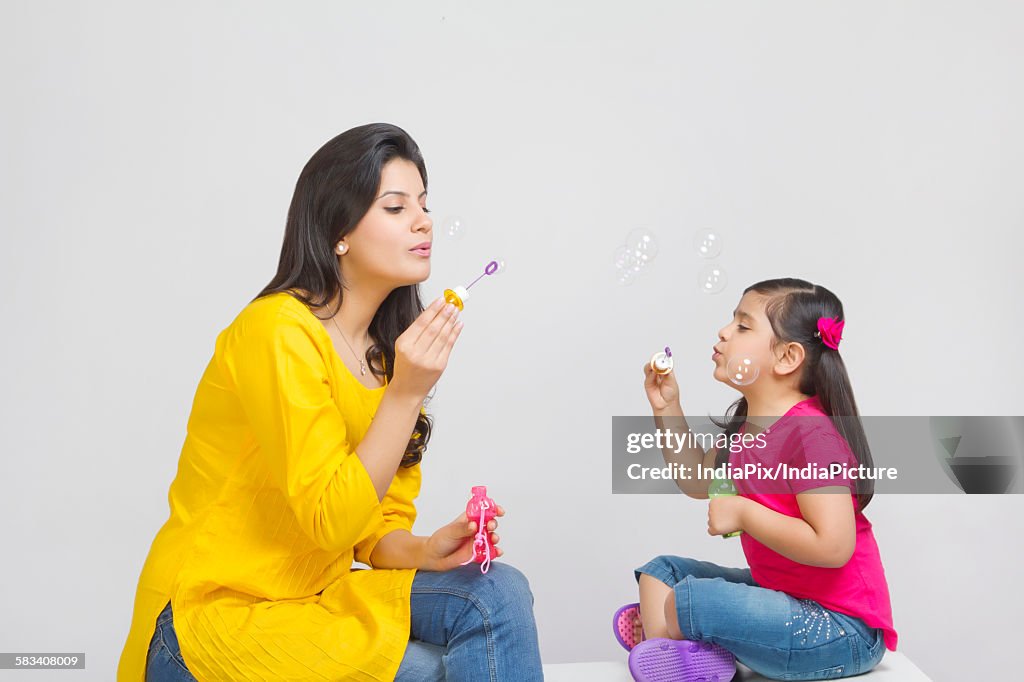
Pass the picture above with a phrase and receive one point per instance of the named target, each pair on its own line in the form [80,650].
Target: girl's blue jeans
[465,626]
[772,633]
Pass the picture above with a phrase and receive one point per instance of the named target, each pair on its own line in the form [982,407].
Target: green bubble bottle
[721,487]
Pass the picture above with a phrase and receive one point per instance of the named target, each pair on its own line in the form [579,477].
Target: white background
[150,151]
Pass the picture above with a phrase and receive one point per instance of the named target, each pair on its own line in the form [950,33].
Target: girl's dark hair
[335,189]
[793,308]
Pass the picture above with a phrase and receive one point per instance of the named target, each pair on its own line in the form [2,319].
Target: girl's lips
[715,355]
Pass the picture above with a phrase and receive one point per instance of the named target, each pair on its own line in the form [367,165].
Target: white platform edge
[894,667]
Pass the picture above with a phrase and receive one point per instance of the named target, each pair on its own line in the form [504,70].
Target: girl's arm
[663,394]
[671,420]
[825,536]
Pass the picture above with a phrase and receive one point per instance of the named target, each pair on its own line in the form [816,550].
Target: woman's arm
[444,550]
[383,446]
[399,549]
[825,536]
[421,355]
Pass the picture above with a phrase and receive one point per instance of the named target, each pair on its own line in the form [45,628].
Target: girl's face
[748,336]
[391,244]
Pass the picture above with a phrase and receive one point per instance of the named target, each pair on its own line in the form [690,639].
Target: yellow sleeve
[282,382]
[397,510]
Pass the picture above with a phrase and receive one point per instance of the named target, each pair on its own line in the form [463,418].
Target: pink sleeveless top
[858,588]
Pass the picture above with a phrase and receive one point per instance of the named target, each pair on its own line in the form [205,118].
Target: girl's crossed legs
[769,631]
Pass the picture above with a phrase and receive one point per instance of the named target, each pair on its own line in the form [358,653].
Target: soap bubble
[630,258]
[708,243]
[627,265]
[643,245]
[626,259]
[712,279]
[454,227]
[742,371]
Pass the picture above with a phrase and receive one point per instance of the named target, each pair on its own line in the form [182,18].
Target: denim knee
[502,588]
[667,568]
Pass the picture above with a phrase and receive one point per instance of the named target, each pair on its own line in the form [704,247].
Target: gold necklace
[362,363]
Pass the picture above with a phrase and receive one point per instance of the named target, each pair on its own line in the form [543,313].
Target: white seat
[894,667]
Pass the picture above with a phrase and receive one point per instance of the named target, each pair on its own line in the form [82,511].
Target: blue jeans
[465,626]
[779,636]
[164,662]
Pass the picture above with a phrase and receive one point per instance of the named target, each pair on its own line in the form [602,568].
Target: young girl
[814,603]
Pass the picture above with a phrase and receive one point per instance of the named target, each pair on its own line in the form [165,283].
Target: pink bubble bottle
[481,509]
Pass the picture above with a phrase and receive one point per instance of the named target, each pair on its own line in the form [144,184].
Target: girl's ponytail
[832,386]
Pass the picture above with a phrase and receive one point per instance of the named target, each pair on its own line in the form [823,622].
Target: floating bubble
[708,243]
[643,245]
[630,258]
[625,259]
[712,279]
[742,371]
[455,227]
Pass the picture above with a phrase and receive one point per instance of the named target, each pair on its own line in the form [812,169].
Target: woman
[303,453]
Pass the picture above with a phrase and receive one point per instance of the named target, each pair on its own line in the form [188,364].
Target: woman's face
[391,244]
[747,337]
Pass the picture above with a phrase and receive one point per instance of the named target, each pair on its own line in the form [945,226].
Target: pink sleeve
[820,445]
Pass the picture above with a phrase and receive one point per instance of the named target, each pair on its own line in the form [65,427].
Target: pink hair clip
[830,329]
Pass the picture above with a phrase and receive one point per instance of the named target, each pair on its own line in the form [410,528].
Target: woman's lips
[421,252]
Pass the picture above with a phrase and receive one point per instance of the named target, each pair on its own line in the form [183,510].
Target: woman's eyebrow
[404,194]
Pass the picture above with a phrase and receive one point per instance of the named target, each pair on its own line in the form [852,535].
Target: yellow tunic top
[268,509]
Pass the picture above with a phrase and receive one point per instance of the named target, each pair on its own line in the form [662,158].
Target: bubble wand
[459,295]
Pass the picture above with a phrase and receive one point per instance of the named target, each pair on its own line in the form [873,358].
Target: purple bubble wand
[459,295]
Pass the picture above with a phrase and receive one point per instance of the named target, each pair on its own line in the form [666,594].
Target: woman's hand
[452,544]
[726,514]
[421,351]
[662,389]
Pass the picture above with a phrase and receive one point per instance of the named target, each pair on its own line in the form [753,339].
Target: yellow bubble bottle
[457,297]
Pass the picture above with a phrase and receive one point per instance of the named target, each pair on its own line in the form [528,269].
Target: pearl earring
[342,248]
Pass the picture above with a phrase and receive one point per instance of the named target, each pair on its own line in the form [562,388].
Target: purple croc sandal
[627,626]
[671,660]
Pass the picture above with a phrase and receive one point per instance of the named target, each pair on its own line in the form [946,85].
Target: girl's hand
[421,351]
[662,389]
[452,544]
[726,514]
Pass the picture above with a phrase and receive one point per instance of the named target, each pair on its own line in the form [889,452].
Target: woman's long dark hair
[335,189]
[793,308]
